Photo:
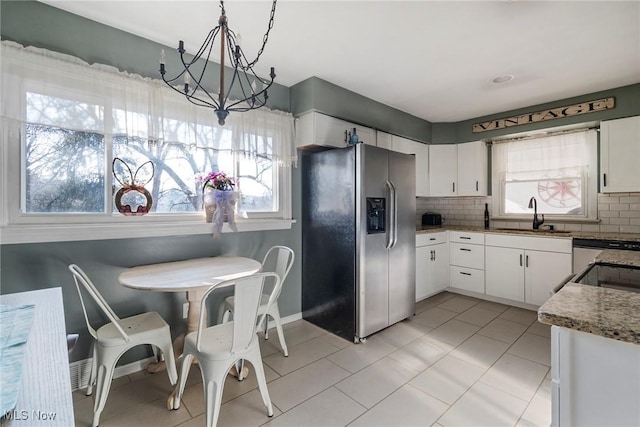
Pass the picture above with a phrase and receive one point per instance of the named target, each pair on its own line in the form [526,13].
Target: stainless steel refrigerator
[358,239]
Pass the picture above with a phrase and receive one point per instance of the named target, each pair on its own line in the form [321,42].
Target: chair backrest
[81,278]
[247,295]
[283,264]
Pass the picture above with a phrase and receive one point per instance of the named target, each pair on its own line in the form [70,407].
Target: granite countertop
[634,237]
[606,312]
[610,313]
[614,256]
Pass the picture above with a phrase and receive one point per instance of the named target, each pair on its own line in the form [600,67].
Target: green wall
[320,95]
[627,104]
[35,266]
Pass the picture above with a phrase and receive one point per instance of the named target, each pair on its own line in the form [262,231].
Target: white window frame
[589,190]
[19,227]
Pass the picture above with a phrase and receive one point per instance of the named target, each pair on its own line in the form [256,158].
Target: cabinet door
[423,266]
[619,154]
[432,270]
[543,271]
[439,273]
[365,134]
[504,273]
[421,151]
[443,169]
[383,140]
[472,169]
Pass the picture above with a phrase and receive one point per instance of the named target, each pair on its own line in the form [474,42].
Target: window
[560,171]
[64,127]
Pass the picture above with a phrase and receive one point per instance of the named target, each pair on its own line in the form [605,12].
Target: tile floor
[460,362]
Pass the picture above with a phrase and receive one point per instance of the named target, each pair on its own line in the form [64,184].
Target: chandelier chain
[265,38]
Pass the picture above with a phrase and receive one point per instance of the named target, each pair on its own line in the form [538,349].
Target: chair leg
[182,380]
[275,314]
[266,326]
[94,369]
[170,361]
[213,387]
[103,385]
[226,316]
[256,361]
[240,369]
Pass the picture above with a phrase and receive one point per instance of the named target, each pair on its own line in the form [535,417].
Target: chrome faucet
[533,204]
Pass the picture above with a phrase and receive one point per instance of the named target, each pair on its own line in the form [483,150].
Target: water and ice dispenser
[376,215]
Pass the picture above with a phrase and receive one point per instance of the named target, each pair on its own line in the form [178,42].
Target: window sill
[56,232]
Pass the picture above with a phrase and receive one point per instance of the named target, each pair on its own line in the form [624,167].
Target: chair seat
[215,343]
[135,326]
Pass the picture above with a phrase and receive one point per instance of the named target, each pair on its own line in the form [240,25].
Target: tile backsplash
[618,213]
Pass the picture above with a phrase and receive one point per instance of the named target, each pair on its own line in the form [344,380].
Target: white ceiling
[435,60]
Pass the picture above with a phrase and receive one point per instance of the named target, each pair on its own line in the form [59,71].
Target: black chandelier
[243,75]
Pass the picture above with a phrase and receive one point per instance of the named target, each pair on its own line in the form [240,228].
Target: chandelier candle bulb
[163,61]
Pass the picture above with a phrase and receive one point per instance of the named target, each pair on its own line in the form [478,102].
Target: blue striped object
[15,324]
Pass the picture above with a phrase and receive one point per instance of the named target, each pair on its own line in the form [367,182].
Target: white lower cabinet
[595,381]
[466,261]
[516,268]
[504,273]
[432,264]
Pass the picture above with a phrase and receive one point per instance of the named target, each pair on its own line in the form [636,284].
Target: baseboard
[81,370]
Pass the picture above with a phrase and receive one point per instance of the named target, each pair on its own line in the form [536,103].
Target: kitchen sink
[530,230]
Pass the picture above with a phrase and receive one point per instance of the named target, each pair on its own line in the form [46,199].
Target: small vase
[212,197]
[209,203]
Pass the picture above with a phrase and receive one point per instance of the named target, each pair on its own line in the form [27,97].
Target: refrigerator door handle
[391,235]
[394,212]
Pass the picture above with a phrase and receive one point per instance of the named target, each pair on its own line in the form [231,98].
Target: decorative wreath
[135,186]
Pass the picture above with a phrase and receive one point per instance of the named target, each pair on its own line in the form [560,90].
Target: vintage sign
[551,114]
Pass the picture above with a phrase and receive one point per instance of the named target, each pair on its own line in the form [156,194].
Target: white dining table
[193,276]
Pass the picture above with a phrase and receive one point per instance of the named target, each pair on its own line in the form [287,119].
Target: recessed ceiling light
[503,79]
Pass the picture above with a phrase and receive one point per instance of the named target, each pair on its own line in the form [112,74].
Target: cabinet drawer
[425,239]
[462,237]
[468,279]
[465,255]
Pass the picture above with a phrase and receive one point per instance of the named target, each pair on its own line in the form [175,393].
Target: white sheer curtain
[532,157]
[109,101]
[565,156]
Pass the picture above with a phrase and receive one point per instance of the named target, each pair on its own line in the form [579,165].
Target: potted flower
[219,199]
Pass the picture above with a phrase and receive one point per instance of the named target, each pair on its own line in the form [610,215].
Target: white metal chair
[219,347]
[283,263]
[116,337]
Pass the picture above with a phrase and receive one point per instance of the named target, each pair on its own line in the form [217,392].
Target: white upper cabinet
[421,151]
[407,146]
[383,140]
[318,129]
[458,169]
[619,154]
[443,169]
[472,169]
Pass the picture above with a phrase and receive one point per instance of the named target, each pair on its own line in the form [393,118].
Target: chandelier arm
[198,81]
[189,98]
[210,38]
